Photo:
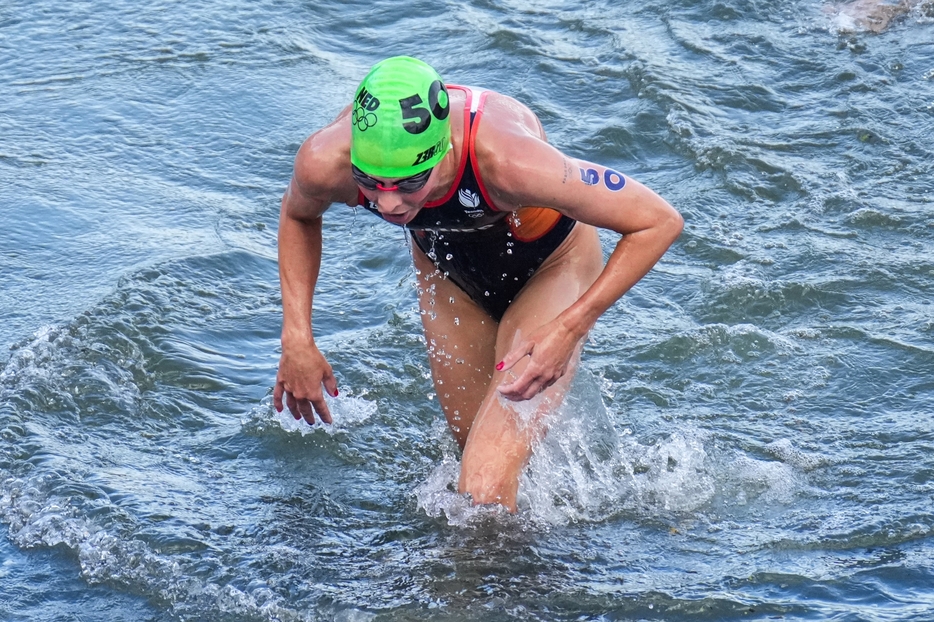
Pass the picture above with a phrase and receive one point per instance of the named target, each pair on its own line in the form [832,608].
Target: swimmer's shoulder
[510,142]
[322,165]
[509,118]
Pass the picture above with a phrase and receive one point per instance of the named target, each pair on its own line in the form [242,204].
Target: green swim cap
[400,123]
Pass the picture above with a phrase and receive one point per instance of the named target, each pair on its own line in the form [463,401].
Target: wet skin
[534,349]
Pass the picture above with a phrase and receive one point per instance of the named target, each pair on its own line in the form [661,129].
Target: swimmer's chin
[400,219]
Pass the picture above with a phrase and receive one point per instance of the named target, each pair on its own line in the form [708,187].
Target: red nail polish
[499,366]
[336,393]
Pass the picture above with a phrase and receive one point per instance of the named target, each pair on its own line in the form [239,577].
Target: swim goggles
[406,185]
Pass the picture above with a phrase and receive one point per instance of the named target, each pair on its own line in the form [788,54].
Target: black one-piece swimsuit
[488,253]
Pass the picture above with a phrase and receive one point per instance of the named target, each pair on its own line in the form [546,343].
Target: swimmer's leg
[461,339]
[504,433]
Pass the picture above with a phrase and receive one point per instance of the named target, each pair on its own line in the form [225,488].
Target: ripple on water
[740,342]
[142,366]
[766,447]
[739,295]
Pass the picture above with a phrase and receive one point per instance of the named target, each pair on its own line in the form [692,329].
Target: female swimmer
[504,241]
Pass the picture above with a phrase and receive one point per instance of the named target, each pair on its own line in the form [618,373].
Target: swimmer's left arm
[535,173]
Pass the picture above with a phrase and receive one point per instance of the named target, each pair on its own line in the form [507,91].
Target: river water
[750,435]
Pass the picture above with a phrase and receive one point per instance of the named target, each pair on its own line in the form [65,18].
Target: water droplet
[449,257]
[486,293]
[451,300]
[457,321]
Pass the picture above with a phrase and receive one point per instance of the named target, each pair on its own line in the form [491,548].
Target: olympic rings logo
[362,119]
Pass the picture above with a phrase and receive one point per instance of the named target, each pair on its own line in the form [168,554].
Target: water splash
[585,470]
[347,412]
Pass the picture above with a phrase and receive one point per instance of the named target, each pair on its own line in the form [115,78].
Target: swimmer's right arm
[303,370]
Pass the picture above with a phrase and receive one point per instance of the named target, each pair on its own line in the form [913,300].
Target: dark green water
[750,436]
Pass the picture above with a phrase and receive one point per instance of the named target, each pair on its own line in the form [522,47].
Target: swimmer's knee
[484,487]
[501,495]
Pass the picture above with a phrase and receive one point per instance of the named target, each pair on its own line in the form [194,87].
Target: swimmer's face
[395,199]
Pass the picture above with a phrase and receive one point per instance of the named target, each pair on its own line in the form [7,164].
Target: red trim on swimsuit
[464,146]
[527,223]
[471,140]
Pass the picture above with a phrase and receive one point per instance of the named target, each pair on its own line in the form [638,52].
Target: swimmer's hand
[549,349]
[302,372]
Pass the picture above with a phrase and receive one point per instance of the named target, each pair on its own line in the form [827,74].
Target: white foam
[765,482]
[347,412]
[28,359]
[784,450]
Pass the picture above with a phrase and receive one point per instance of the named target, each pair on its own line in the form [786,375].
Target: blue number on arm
[613,180]
[589,176]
